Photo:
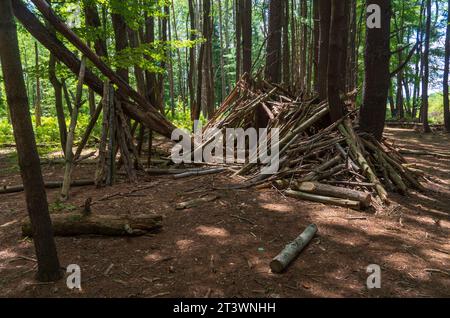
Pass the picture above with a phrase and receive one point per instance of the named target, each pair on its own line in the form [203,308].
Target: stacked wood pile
[329,163]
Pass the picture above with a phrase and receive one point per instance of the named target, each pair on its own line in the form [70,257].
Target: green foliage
[48,133]
[436,109]
[182,116]
[59,206]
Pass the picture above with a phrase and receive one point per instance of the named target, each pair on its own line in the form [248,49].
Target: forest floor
[223,248]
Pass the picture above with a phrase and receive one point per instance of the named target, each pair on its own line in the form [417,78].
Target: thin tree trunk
[246,15]
[192,62]
[238,29]
[286,46]
[304,45]
[325,22]
[446,74]
[37,104]
[426,71]
[71,135]
[57,87]
[170,68]
[273,54]
[48,263]
[222,55]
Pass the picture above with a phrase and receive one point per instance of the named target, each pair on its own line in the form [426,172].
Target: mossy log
[75,224]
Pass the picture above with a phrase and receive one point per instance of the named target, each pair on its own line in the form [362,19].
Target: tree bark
[37,103]
[377,78]
[336,69]
[41,226]
[192,62]
[286,47]
[426,70]
[93,21]
[273,54]
[238,29]
[446,74]
[71,135]
[246,15]
[120,34]
[337,192]
[292,250]
[57,87]
[73,224]
[324,43]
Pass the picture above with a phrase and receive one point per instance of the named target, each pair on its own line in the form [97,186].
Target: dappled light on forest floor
[223,248]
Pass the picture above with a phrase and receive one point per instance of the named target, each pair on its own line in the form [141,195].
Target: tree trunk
[286,47]
[37,103]
[238,24]
[304,46]
[152,92]
[41,226]
[446,74]
[208,27]
[246,15]
[426,70]
[120,34]
[336,71]
[377,77]
[324,43]
[71,135]
[57,87]
[223,75]
[93,21]
[192,63]
[273,54]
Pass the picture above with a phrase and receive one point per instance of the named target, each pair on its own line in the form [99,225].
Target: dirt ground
[223,248]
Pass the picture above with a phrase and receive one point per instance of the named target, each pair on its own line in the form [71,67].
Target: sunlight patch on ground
[184,244]
[7,254]
[212,231]
[277,207]
[154,257]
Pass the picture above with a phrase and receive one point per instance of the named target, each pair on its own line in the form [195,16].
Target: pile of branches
[331,163]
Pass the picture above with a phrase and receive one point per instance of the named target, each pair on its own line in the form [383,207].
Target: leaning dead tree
[116,136]
[71,134]
[134,105]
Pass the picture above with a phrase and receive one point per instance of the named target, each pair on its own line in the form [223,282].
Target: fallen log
[356,205]
[74,224]
[344,193]
[47,185]
[292,250]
